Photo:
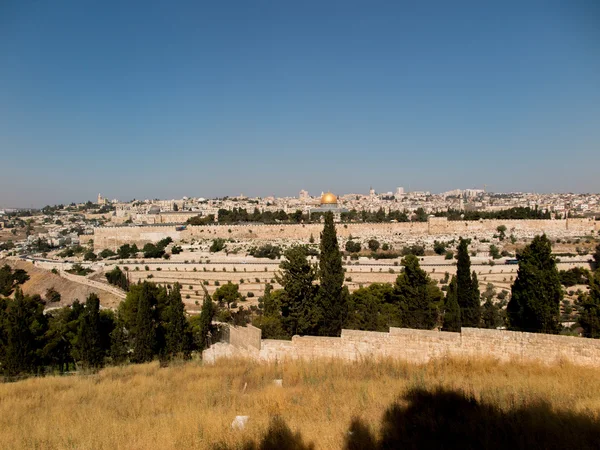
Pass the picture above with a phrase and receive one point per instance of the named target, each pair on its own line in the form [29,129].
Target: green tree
[271,304]
[60,335]
[501,232]
[332,296]
[87,348]
[370,308]
[466,288]
[52,295]
[352,247]
[227,294]
[589,317]
[597,257]
[439,248]
[24,327]
[373,245]
[494,252]
[452,320]
[119,343]
[299,313]
[536,293]
[417,295]
[217,245]
[144,331]
[89,256]
[177,336]
[490,315]
[205,328]
[9,279]
[118,278]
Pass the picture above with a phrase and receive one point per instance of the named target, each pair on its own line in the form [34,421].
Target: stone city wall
[114,237]
[421,346]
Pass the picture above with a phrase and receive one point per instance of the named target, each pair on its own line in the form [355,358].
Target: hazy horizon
[151,100]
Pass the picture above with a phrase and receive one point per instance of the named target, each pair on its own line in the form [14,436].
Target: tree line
[150,323]
[314,301]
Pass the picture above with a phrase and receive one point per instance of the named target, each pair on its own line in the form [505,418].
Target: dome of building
[328,199]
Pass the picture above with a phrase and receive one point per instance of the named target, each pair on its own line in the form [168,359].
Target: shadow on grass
[277,437]
[449,420]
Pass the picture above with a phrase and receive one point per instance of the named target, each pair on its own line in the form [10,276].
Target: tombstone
[239,423]
[278,383]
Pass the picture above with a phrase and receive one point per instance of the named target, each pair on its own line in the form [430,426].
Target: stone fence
[417,346]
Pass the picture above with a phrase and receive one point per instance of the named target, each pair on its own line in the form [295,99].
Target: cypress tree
[536,293]
[119,344]
[589,318]
[299,314]
[88,346]
[176,331]
[206,316]
[452,319]
[333,298]
[490,316]
[466,288]
[144,333]
[417,296]
[476,299]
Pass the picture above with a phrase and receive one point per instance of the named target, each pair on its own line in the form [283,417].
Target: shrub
[52,295]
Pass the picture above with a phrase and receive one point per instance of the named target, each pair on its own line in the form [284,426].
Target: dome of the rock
[328,199]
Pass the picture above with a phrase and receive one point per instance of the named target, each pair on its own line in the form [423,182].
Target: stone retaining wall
[421,346]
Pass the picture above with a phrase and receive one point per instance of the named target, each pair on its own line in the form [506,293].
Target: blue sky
[144,99]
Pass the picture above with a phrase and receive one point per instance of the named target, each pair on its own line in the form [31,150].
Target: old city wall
[421,346]
[114,237]
[441,226]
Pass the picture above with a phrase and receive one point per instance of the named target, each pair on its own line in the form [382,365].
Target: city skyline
[148,100]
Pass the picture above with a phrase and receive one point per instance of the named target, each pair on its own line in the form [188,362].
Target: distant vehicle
[180,228]
[511,261]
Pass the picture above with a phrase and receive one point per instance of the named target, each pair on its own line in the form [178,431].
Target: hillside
[40,280]
[461,404]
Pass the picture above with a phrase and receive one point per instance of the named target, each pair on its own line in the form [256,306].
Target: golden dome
[328,199]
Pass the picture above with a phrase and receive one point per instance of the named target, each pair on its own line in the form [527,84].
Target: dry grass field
[191,405]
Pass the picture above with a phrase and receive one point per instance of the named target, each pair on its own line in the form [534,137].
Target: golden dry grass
[191,405]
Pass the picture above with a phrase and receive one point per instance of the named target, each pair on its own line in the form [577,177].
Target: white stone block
[239,423]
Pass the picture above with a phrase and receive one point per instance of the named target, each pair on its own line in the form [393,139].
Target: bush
[373,245]
[417,250]
[439,248]
[352,247]
[78,269]
[116,277]
[266,251]
[449,255]
[52,295]
[217,245]
[90,256]
[250,294]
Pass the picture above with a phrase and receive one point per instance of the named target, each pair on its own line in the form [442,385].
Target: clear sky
[145,99]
